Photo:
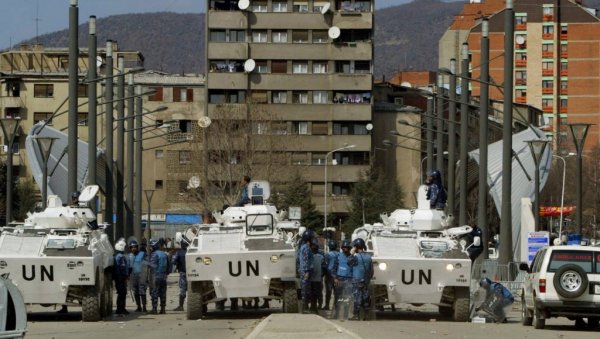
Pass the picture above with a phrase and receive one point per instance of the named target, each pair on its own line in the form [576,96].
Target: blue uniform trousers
[182,285]
[159,291]
[360,294]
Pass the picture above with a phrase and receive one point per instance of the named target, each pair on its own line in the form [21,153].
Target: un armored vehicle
[418,260]
[61,257]
[248,252]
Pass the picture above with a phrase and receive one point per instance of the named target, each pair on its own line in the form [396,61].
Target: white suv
[562,281]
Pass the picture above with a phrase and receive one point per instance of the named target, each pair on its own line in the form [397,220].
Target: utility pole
[72,117]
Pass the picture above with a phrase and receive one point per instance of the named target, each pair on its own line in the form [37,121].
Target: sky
[19,21]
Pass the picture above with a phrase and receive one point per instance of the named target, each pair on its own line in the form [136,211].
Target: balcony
[547,54]
[547,72]
[547,90]
[228,80]
[521,27]
[521,82]
[227,51]
[227,19]
[11,102]
[304,112]
[548,36]
[322,143]
[309,51]
[521,100]
[521,46]
[564,109]
[353,20]
[564,91]
[564,36]
[548,109]
[521,63]
[340,82]
[288,21]
[564,72]
[335,173]
[564,54]
[548,18]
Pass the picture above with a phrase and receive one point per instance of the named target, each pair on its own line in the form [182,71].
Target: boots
[143,302]
[138,303]
[162,310]
[180,307]
[153,311]
[305,307]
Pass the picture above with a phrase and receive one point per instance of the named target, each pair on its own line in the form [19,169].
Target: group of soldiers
[138,270]
[347,274]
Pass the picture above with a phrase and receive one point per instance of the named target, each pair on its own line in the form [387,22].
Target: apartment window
[564,84]
[300,97]
[42,116]
[521,56]
[548,65]
[181,94]
[43,90]
[340,188]
[564,48]
[520,20]
[300,67]
[237,36]
[300,127]
[280,6]
[318,6]
[354,35]
[82,90]
[185,157]
[299,158]
[548,11]
[13,113]
[547,84]
[320,97]
[547,47]
[300,36]
[547,102]
[548,29]
[319,37]
[521,75]
[521,93]
[279,97]
[362,67]
[261,67]
[279,127]
[349,128]
[226,66]
[259,36]
[158,94]
[259,97]
[229,97]
[218,35]
[224,5]
[352,97]
[564,102]
[278,66]
[320,128]
[320,67]
[362,5]
[342,67]
[158,184]
[351,158]
[159,154]
[318,159]
[260,127]
[185,126]
[259,6]
[13,89]
[300,6]
[564,29]
[564,66]
[82,119]
[279,37]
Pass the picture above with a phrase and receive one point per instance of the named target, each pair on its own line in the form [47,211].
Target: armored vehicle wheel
[195,307]
[445,311]
[290,299]
[461,305]
[90,305]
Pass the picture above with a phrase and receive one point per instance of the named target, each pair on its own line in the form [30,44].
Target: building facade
[307,65]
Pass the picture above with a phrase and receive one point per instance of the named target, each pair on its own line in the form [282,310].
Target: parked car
[562,281]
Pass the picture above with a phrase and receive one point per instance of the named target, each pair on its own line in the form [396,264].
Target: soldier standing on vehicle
[362,272]
[179,263]
[317,277]
[159,262]
[306,268]
[121,275]
[436,194]
[330,259]
[342,275]
[244,195]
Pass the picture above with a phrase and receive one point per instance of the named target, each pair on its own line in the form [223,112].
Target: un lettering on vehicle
[30,272]
[416,277]
[236,268]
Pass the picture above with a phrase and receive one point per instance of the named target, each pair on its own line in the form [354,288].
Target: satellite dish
[369,127]
[99,61]
[520,39]
[334,32]
[406,84]
[249,65]
[194,182]
[204,122]
[325,8]
[244,4]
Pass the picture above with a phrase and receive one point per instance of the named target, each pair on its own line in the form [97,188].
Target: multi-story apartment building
[312,72]
[556,62]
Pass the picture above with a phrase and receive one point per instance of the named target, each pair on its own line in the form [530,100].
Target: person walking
[179,263]
[159,264]
[120,276]
[362,272]
[342,275]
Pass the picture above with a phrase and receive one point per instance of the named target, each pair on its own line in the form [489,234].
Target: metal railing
[508,275]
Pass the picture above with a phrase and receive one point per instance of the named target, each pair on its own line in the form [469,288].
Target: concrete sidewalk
[290,326]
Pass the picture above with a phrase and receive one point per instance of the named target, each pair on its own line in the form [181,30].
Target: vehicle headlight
[450,267]
[457,266]
[382,266]
[198,260]
[80,264]
[274,258]
[207,261]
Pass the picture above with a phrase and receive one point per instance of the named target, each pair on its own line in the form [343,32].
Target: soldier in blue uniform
[436,193]
[342,275]
[159,264]
[319,268]
[179,263]
[121,275]
[362,272]
[330,260]
[136,259]
[306,267]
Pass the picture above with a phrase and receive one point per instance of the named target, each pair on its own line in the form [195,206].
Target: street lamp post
[149,193]
[579,132]
[9,128]
[325,190]
[562,195]
[537,148]
[482,217]
[45,147]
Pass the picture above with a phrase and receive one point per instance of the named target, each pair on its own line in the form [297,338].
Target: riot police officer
[120,276]
[159,263]
[139,268]
[317,277]
[362,272]
[306,267]
[342,275]
[436,193]
[179,263]
[330,259]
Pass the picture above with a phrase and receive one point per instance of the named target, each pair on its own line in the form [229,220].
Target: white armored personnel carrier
[61,257]
[418,260]
[249,252]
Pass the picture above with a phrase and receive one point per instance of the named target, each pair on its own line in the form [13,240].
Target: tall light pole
[9,128]
[482,217]
[579,132]
[439,136]
[108,127]
[464,125]
[45,147]
[537,148]
[325,190]
[562,195]
[72,116]
[149,193]
[92,103]
[120,161]
[451,180]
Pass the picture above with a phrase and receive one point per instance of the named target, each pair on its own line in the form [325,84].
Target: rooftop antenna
[37,20]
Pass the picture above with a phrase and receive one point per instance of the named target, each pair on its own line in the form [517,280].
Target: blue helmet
[346,243]
[154,243]
[435,174]
[360,243]
[133,243]
[308,235]
[332,244]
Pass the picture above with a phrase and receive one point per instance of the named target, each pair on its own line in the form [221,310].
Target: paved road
[406,322]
